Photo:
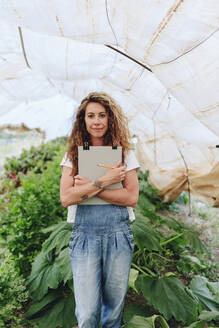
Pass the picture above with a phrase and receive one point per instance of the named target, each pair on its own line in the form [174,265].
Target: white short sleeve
[71,213]
[131,161]
[72,208]
[65,161]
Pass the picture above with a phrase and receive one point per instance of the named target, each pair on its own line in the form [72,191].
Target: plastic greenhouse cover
[158,59]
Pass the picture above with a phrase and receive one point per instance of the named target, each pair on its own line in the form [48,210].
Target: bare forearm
[77,194]
[84,189]
[121,197]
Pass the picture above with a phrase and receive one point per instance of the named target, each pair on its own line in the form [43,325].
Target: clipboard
[89,157]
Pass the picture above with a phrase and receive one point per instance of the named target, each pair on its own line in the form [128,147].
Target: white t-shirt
[131,163]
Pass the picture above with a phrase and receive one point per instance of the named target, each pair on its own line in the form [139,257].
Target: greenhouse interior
[159,61]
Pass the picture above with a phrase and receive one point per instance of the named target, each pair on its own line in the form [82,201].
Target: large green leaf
[140,216]
[197,324]
[45,274]
[195,242]
[192,259]
[132,278]
[59,313]
[59,238]
[64,264]
[209,315]
[56,227]
[142,322]
[191,237]
[214,289]
[169,296]
[145,236]
[37,307]
[172,223]
[204,317]
[145,205]
[208,301]
[135,309]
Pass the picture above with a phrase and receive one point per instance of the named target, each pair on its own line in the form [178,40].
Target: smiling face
[96,120]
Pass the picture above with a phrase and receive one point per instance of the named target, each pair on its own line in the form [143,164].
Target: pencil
[107,166]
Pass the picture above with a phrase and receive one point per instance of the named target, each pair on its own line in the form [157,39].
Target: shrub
[28,209]
[36,158]
[13,292]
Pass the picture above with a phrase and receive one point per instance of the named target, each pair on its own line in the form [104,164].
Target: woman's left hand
[79,180]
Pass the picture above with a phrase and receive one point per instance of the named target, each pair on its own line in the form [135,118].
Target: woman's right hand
[115,175]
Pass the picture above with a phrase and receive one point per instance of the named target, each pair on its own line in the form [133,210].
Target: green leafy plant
[56,309]
[204,317]
[169,296]
[32,206]
[52,265]
[150,322]
[13,292]
[136,310]
[35,159]
[207,292]
[166,251]
[149,193]
[50,282]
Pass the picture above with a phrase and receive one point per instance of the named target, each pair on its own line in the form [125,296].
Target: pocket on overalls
[73,240]
[124,213]
[129,237]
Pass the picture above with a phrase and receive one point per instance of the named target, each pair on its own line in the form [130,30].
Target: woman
[101,243]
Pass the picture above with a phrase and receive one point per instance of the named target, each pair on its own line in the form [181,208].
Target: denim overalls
[100,247]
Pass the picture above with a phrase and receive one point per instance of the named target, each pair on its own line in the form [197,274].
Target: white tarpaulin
[168,85]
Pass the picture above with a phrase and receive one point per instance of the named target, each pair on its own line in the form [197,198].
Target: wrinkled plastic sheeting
[172,109]
[17,82]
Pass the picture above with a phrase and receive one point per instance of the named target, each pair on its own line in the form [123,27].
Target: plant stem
[139,269]
[137,252]
[157,224]
[149,271]
[171,239]
[168,260]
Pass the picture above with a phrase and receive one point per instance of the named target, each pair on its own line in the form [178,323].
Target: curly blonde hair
[117,133]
